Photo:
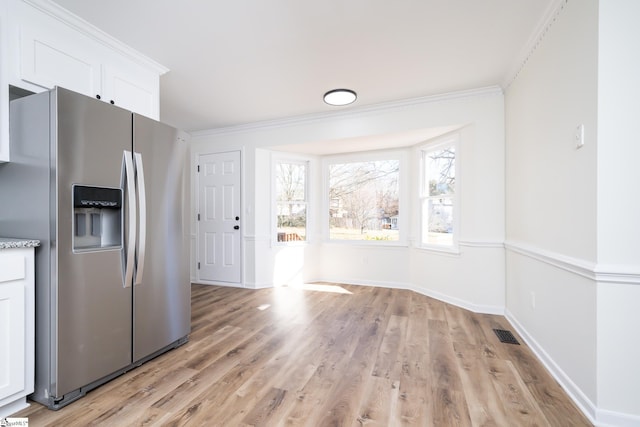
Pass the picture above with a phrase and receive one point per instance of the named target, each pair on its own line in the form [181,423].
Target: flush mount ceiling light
[340,97]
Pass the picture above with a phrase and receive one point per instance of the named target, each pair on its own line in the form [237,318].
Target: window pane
[291,203]
[440,169]
[290,182]
[364,200]
[292,222]
[438,215]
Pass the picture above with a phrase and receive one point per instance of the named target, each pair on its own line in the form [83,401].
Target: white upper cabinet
[135,89]
[52,56]
[51,47]
[42,45]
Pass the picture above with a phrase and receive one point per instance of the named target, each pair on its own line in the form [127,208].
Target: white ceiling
[366,143]
[236,62]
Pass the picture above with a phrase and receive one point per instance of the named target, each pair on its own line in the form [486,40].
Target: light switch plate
[579,136]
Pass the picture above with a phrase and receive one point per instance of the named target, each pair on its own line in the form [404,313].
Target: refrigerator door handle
[129,175]
[142,204]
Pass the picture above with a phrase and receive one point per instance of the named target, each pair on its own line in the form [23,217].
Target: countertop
[10,243]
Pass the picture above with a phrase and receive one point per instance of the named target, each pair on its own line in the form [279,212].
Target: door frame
[195,207]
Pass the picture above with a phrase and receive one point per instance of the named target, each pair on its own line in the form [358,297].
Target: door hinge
[198,265]
[198,168]
[198,217]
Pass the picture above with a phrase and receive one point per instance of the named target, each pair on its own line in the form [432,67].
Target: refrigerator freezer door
[93,308]
[162,299]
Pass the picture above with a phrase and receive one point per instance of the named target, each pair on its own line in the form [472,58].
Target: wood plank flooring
[328,355]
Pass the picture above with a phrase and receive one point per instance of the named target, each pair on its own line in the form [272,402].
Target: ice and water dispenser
[97,218]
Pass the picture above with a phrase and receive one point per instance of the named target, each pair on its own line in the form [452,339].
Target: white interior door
[219,224]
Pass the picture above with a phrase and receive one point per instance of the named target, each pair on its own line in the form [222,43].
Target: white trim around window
[400,221]
[305,201]
[440,197]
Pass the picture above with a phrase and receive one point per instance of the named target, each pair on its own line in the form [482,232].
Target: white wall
[479,113]
[474,277]
[573,236]
[550,184]
[618,141]
[551,197]
[618,208]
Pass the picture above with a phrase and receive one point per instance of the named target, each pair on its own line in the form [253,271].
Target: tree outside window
[438,195]
[291,201]
[364,200]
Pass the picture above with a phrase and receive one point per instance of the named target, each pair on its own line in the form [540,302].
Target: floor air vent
[506,336]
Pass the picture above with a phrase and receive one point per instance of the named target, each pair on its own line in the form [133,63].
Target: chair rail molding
[602,273]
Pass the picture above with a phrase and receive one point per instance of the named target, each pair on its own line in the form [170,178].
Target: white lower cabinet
[17,306]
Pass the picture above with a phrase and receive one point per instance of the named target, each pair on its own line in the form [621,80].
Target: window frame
[296,160]
[403,194]
[438,144]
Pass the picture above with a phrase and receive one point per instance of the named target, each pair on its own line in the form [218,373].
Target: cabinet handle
[112,103]
[98,97]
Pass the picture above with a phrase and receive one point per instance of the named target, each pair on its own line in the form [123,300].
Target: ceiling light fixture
[340,97]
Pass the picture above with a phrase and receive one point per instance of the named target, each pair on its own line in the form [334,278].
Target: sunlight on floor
[321,288]
[289,300]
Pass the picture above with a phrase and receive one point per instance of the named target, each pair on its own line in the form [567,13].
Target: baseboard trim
[13,407]
[606,418]
[476,308]
[598,417]
[458,302]
[215,283]
[573,391]
[260,285]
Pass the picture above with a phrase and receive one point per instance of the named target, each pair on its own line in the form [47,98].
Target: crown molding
[548,19]
[353,112]
[63,15]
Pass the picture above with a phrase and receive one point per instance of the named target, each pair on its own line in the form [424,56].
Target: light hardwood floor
[329,355]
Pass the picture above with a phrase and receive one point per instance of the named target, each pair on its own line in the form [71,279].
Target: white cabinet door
[12,325]
[132,89]
[48,60]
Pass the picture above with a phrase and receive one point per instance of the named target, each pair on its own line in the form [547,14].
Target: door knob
[236,227]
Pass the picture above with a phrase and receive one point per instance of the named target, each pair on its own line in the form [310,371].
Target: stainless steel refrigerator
[106,192]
